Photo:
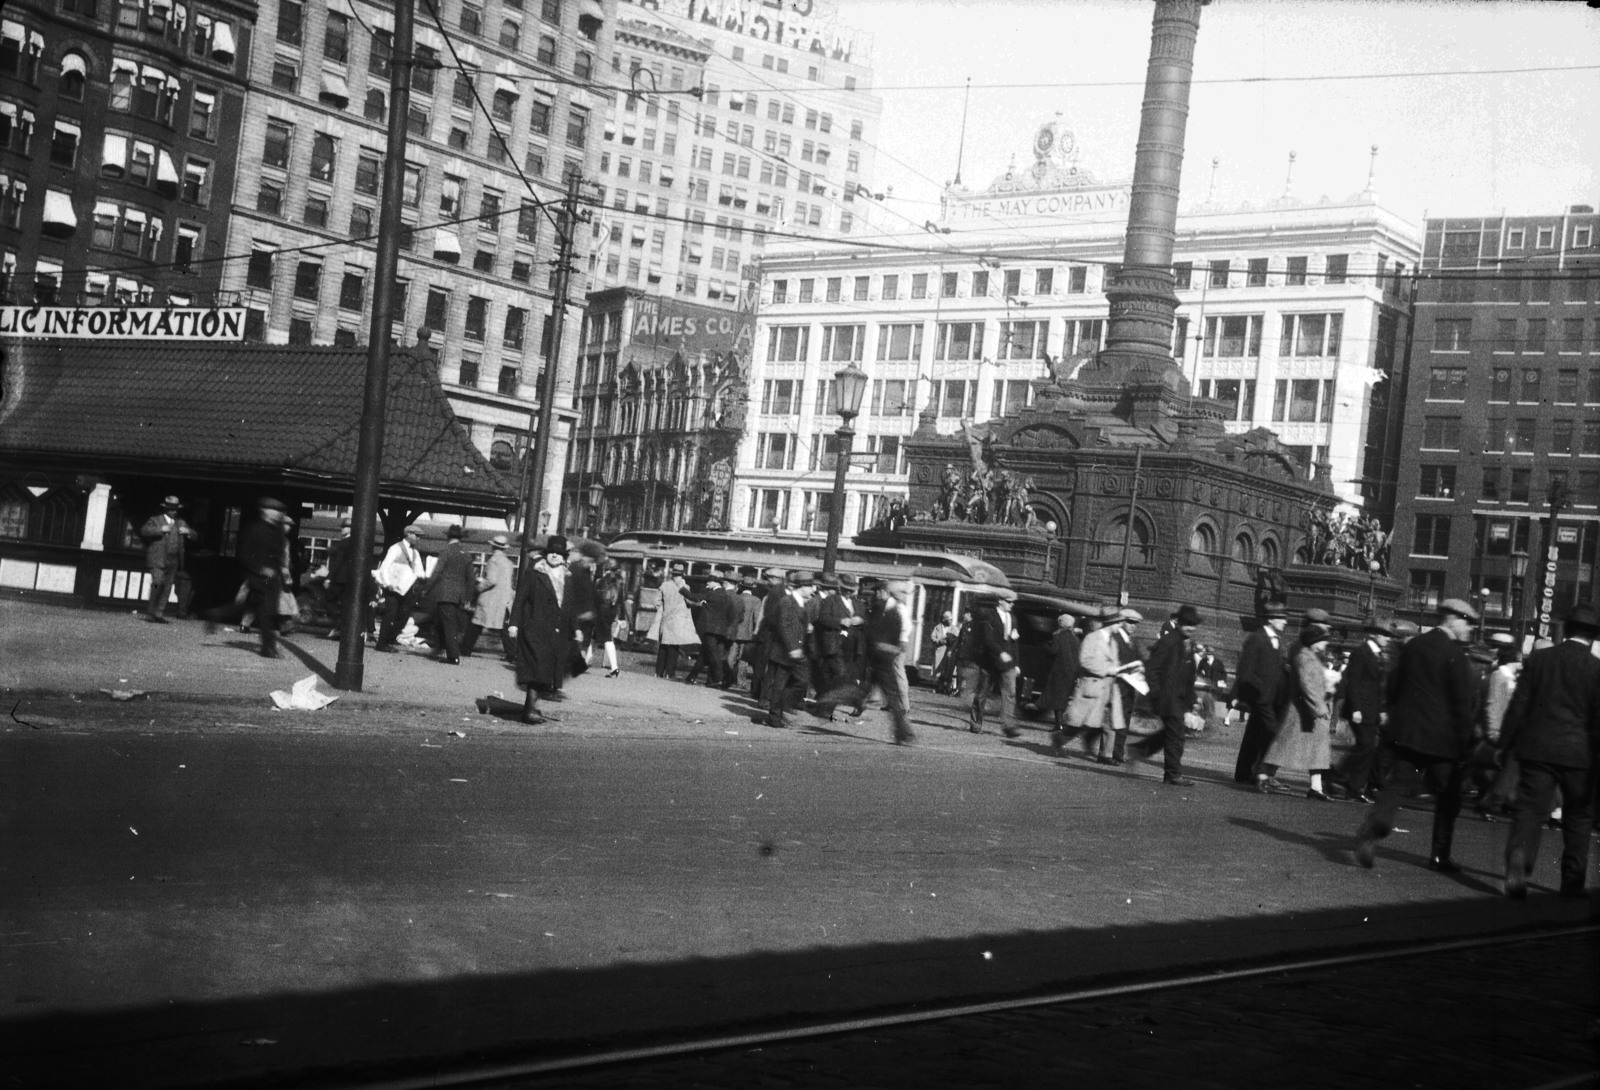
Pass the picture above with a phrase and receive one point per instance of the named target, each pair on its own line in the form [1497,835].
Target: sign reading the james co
[692,328]
[125,323]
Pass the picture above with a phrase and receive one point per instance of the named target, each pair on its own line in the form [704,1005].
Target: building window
[919,285]
[467,374]
[1529,389]
[1451,334]
[1311,334]
[893,397]
[957,398]
[1431,536]
[352,289]
[1022,340]
[269,199]
[477,318]
[1219,274]
[1561,432]
[775,450]
[1426,590]
[1437,482]
[1295,272]
[788,343]
[307,280]
[900,342]
[959,341]
[1490,493]
[323,152]
[843,343]
[1441,433]
[769,508]
[1447,384]
[275,148]
[1337,269]
[1535,342]
[285,74]
[1256,273]
[781,397]
[1235,335]
[1545,238]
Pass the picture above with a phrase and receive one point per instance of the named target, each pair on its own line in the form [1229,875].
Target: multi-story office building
[505,102]
[746,117]
[1290,314]
[1503,409]
[118,123]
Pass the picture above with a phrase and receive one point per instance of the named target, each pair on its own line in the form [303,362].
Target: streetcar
[940,582]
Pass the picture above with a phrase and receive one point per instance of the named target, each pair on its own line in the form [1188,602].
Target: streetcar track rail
[469,1075]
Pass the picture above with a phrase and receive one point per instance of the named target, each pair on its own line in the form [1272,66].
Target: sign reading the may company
[1023,204]
[124,323]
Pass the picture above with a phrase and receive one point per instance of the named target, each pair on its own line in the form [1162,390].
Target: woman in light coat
[1304,741]
[1097,699]
[493,604]
[676,625]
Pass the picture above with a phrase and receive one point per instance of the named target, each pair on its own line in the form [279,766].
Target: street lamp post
[1483,614]
[1372,589]
[849,385]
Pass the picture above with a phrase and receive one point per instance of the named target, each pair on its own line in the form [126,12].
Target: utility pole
[349,670]
[566,234]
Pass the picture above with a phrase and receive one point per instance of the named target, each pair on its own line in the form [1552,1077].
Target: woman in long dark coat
[554,604]
[1062,678]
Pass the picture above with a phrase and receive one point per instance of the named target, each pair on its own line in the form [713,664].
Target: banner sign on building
[810,26]
[1022,204]
[692,328]
[124,323]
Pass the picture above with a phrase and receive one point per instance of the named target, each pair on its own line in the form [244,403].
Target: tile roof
[255,412]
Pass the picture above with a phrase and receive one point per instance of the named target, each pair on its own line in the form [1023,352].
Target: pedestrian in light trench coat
[1304,737]
[674,626]
[495,594]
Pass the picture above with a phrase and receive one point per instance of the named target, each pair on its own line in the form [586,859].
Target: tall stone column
[1139,336]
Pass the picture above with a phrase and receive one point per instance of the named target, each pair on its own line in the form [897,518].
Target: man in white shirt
[402,566]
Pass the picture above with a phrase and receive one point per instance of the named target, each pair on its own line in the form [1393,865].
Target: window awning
[9,110]
[429,38]
[666,175]
[222,44]
[59,218]
[166,173]
[134,215]
[335,91]
[73,62]
[506,87]
[469,55]
[68,126]
[14,31]
[107,208]
[446,246]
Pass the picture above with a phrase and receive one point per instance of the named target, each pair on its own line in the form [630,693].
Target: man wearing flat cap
[398,575]
[447,590]
[1553,730]
[1171,676]
[1432,706]
[788,673]
[165,536]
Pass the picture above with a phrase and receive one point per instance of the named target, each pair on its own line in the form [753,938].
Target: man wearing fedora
[262,555]
[1171,676]
[986,658]
[1432,713]
[1257,684]
[1366,689]
[788,673]
[829,617]
[448,589]
[553,606]
[165,536]
[1552,729]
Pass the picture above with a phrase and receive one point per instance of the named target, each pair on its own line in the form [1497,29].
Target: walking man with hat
[1433,705]
[449,589]
[1256,685]
[553,605]
[262,554]
[397,575]
[1171,676]
[165,536]
[829,617]
[493,603]
[788,673]
[1366,688]
[1552,729]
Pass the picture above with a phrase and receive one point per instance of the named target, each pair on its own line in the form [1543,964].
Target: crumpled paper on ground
[303,697]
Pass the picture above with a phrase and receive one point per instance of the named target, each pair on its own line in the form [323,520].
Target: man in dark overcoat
[261,554]
[717,618]
[449,589]
[1170,672]
[1257,684]
[1552,728]
[776,587]
[829,618]
[553,604]
[788,673]
[1366,688]
[1432,712]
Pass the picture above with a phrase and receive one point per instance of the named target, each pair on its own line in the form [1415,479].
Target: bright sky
[1448,145]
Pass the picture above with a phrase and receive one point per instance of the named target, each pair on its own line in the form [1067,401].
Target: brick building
[1503,410]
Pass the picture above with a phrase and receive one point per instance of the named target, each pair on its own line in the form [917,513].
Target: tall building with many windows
[504,105]
[741,117]
[118,123]
[1290,314]
[1503,410]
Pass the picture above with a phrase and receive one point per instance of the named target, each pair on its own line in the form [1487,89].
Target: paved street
[200,888]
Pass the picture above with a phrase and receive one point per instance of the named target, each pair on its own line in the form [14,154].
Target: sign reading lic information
[125,323]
